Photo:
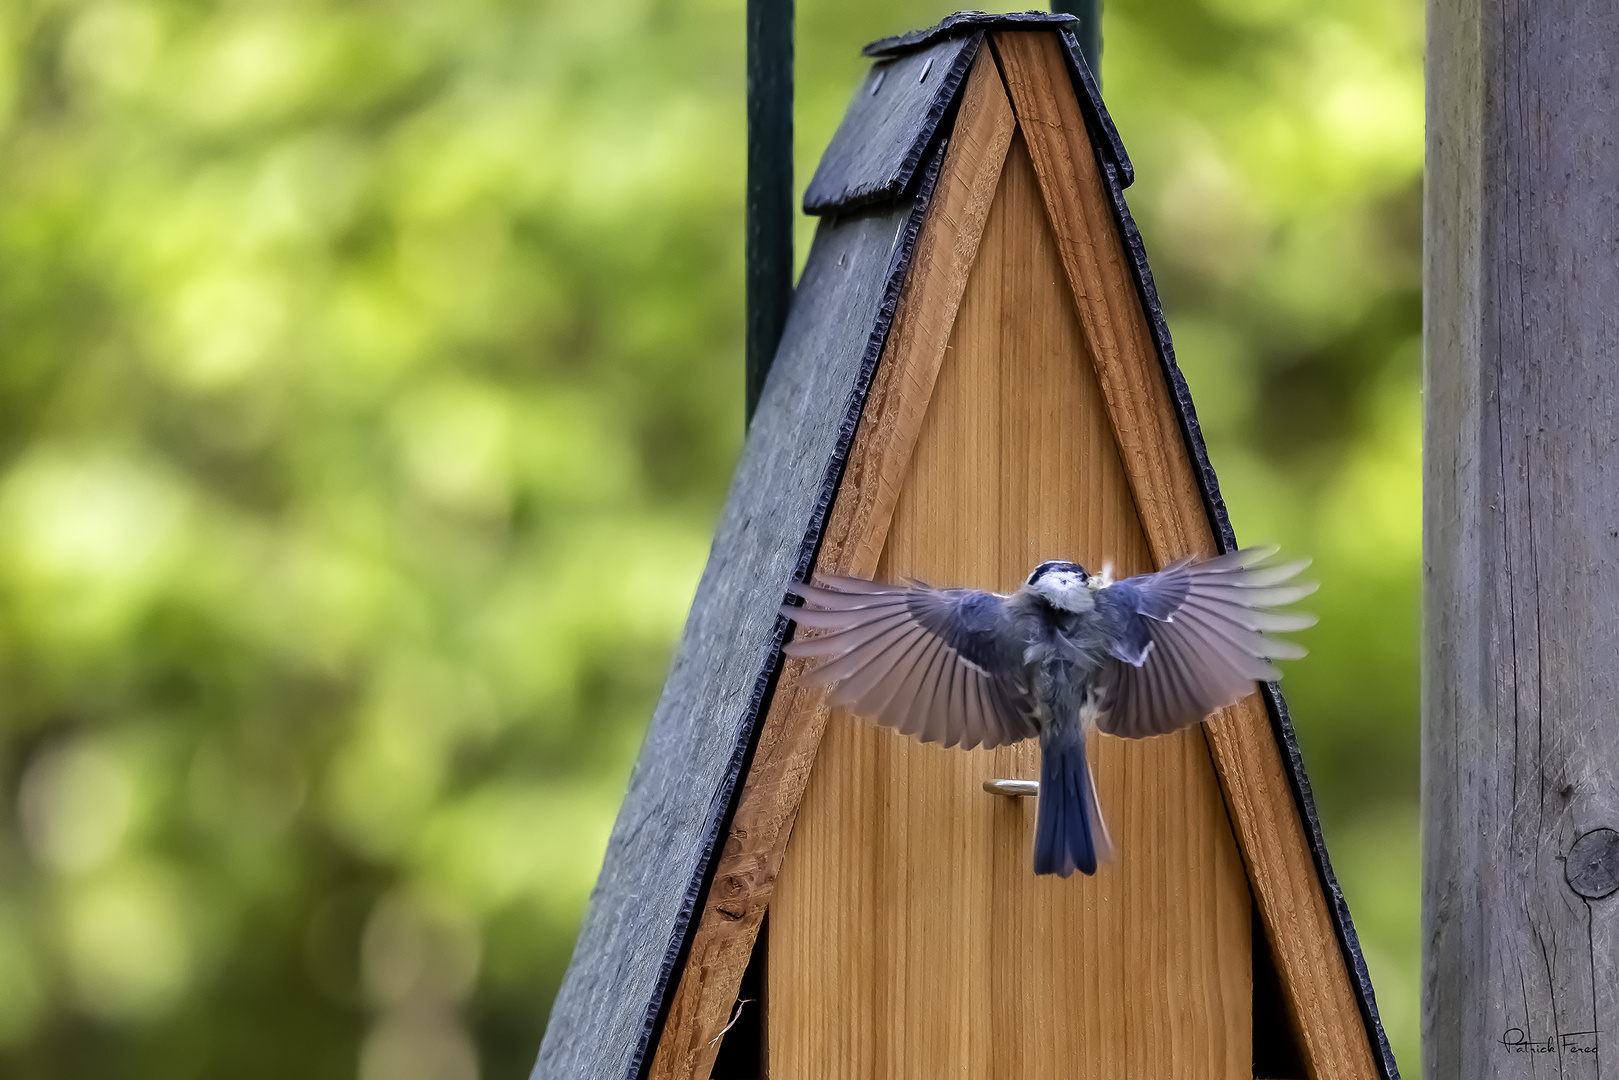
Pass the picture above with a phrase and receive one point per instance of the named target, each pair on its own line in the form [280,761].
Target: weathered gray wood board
[683,782]
[890,124]
[1521,536]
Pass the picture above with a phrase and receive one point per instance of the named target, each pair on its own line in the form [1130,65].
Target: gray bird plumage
[1142,656]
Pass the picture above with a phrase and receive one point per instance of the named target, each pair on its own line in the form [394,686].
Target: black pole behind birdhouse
[769,223]
[1088,15]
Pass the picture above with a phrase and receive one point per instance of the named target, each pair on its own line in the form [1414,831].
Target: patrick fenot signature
[1520,1041]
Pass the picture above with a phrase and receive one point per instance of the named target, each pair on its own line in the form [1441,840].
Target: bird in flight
[1066,652]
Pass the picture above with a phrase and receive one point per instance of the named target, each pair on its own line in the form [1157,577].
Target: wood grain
[744,879]
[1315,979]
[909,937]
[1521,538]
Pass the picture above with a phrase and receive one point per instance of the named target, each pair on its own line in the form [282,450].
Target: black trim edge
[1275,706]
[722,808]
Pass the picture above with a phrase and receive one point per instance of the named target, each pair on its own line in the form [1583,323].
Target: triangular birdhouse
[975,376]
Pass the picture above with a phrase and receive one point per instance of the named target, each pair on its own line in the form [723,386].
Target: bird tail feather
[1068,831]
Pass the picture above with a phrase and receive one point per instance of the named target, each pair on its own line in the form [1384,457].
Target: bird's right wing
[1195,637]
[919,660]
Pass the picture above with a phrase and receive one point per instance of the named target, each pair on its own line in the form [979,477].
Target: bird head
[1062,584]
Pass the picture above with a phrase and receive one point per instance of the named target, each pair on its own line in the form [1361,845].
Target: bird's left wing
[922,661]
[1193,638]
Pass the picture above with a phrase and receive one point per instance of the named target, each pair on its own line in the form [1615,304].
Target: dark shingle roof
[963,22]
[683,785]
[975,22]
[889,125]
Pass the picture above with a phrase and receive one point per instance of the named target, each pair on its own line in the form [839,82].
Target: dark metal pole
[1088,13]
[769,245]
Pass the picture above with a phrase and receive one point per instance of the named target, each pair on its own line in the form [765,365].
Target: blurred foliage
[369,383]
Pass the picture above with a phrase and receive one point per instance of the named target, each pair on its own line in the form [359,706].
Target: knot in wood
[733,896]
[1592,867]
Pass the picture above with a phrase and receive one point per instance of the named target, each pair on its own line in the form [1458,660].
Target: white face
[1066,589]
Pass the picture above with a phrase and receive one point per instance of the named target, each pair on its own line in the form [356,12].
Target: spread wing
[1192,638]
[922,661]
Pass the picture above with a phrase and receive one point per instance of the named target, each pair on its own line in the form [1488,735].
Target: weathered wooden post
[1521,531]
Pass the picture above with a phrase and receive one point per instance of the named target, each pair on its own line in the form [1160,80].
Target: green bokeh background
[370,379]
